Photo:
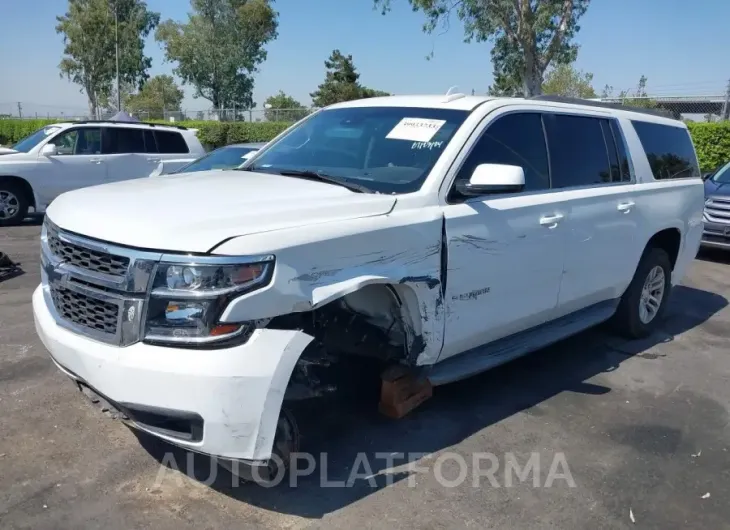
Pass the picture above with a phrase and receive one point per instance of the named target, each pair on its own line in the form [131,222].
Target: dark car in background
[717,208]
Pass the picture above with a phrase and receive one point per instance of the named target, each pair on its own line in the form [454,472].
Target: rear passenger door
[130,153]
[590,170]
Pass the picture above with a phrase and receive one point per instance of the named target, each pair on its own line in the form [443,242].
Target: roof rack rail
[151,124]
[664,113]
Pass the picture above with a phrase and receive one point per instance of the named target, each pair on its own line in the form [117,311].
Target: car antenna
[451,94]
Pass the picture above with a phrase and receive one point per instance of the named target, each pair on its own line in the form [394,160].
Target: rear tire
[13,204]
[643,304]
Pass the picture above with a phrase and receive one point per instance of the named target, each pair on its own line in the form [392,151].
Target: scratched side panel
[318,264]
[504,268]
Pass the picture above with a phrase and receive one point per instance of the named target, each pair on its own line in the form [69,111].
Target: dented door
[504,270]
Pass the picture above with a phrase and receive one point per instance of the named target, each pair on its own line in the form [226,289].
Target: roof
[454,101]
[112,123]
[468,103]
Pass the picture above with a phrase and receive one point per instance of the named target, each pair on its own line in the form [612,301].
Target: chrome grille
[717,209]
[85,311]
[91,284]
[86,258]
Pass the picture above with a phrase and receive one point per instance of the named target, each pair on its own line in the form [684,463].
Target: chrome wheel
[9,205]
[652,295]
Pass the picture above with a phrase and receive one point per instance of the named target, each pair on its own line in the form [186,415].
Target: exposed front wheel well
[22,184]
[669,241]
[356,336]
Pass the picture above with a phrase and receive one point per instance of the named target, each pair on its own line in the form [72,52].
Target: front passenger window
[85,141]
[516,140]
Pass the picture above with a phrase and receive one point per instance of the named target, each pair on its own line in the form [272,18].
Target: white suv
[67,156]
[446,235]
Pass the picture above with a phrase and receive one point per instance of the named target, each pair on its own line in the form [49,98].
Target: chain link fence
[26,111]
[690,108]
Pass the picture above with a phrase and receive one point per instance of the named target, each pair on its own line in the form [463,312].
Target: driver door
[77,164]
[505,262]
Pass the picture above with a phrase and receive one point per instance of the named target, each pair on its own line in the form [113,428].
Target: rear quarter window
[169,142]
[669,150]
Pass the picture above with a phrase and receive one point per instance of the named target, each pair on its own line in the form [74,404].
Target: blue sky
[681,49]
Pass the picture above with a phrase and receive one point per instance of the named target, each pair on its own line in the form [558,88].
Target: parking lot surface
[643,429]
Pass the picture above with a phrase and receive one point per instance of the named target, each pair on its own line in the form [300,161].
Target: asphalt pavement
[619,435]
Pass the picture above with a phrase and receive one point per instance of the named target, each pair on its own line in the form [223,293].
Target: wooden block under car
[401,392]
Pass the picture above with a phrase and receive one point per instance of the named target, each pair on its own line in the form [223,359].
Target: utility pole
[726,105]
[116,52]
[20,109]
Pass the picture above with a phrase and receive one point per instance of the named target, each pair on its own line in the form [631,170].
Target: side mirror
[49,150]
[705,176]
[493,178]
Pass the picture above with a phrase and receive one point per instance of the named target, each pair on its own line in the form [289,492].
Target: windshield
[29,142]
[384,149]
[722,176]
[223,158]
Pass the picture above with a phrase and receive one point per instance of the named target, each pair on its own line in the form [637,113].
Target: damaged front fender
[319,264]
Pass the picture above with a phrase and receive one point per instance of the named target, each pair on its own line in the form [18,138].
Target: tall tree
[219,48]
[158,95]
[341,83]
[528,35]
[564,80]
[283,107]
[366,92]
[88,30]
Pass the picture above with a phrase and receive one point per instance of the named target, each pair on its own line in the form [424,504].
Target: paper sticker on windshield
[416,129]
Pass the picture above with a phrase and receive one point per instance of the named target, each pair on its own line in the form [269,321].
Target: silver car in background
[227,157]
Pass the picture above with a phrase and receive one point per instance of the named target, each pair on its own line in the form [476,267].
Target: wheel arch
[669,240]
[24,184]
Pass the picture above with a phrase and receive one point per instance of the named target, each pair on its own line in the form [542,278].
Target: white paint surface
[506,270]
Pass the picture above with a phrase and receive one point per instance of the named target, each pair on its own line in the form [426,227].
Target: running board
[506,349]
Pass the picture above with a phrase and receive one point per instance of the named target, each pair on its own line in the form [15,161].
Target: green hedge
[712,140]
[211,133]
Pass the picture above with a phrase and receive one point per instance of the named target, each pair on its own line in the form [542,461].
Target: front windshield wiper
[315,175]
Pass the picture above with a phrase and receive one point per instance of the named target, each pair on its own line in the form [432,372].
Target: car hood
[194,212]
[716,188]
[7,151]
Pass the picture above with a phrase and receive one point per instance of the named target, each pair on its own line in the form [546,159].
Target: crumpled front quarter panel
[321,263]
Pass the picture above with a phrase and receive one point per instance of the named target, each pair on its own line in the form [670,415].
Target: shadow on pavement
[715,255]
[456,412]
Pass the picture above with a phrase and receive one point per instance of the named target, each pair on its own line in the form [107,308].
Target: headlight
[187,300]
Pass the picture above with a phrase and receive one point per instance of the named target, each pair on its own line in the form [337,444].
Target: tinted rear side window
[622,153]
[669,150]
[119,140]
[169,142]
[612,152]
[517,140]
[149,142]
[578,153]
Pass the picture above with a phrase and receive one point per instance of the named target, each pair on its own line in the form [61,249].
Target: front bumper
[716,235]
[236,393]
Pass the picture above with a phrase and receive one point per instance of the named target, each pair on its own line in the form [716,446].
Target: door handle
[95,160]
[551,221]
[625,207]
[156,160]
